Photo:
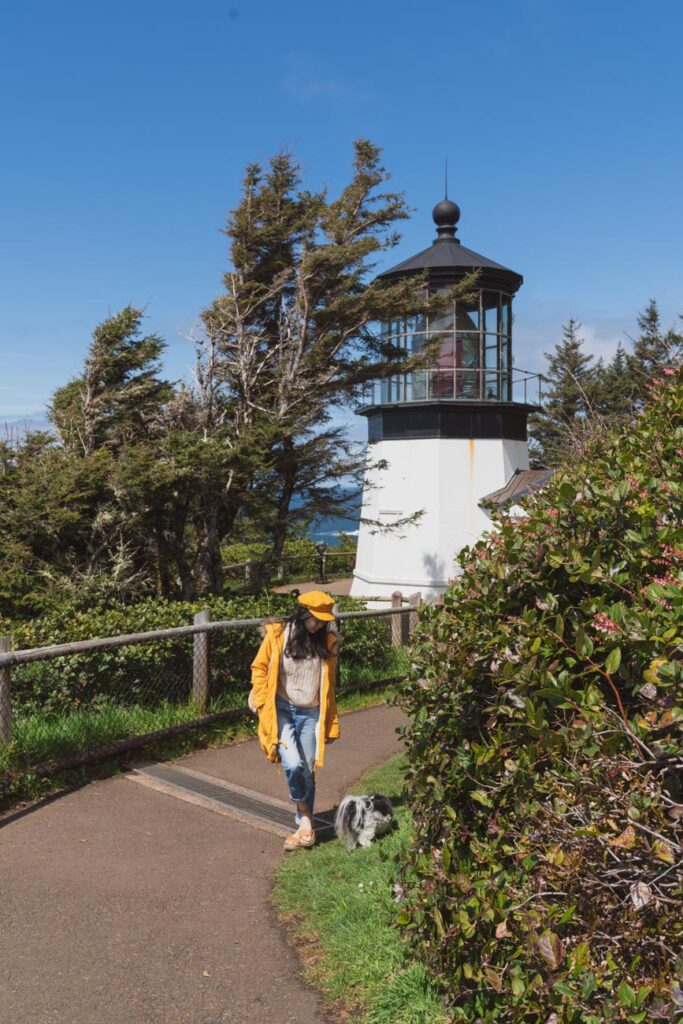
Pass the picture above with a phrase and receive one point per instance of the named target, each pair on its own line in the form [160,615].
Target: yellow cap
[318,604]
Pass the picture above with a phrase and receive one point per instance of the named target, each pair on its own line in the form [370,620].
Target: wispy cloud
[18,426]
[308,79]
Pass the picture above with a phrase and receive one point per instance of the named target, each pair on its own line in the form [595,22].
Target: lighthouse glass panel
[439,379]
[506,349]
[490,377]
[473,353]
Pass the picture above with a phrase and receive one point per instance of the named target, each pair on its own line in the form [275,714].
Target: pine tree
[115,408]
[146,480]
[51,501]
[295,336]
[569,393]
[613,388]
[653,350]
[119,393]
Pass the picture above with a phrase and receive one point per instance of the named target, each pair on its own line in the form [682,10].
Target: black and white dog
[360,818]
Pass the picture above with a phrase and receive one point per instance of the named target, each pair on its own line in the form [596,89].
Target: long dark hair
[301,643]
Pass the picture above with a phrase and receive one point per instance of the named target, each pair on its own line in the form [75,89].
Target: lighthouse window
[416,324]
[467,365]
[491,312]
[505,387]
[417,342]
[505,317]
[467,316]
[491,383]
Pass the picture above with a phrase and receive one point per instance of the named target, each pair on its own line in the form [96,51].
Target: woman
[292,691]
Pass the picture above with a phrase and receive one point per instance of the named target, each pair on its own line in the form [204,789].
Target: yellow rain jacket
[265,669]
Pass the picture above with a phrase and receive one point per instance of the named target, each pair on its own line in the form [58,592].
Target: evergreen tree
[147,481]
[613,388]
[568,397]
[295,335]
[51,524]
[119,393]
[653,350]
[116,408]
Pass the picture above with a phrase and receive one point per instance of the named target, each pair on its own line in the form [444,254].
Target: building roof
[447,252]
[521,483]
[447,260]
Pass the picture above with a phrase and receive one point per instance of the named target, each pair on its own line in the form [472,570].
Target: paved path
[340,588]
[122,905]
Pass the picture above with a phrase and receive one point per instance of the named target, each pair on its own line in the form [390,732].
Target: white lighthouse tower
[451,433]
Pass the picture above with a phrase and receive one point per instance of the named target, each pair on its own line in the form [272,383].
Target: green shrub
[366,642]
[141,674]
[546,770]
[301,559]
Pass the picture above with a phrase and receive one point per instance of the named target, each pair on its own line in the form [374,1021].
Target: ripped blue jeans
[296,729]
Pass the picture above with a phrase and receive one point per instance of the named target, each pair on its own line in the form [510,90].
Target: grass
[340,911]
[37,738]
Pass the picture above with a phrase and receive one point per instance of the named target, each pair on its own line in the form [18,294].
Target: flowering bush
[545,884]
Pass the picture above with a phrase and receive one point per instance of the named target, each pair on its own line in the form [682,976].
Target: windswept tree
[294,336]
[151,479]
[110,417]
[51,503]
[117,398]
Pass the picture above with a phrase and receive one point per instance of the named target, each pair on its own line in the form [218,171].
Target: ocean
[328,529]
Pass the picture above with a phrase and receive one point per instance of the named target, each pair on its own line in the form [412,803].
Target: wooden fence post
[5,693]
[414,600]
[200,663]
[335,627]
[396,620]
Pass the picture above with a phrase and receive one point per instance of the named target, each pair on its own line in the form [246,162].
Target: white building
[451,433]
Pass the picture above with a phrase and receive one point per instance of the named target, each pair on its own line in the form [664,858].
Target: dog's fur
[360,818]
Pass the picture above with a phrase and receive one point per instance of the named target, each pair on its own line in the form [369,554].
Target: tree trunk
[163,560]
[280,529]
[217,524]
[187,581]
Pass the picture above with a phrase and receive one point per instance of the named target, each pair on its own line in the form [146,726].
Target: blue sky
[126,127]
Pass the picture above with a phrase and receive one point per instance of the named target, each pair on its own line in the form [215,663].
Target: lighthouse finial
[445,190]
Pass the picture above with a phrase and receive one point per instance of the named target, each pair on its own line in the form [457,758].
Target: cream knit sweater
[299,679]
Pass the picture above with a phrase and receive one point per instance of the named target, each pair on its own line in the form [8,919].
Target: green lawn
[38,738]
[340,910]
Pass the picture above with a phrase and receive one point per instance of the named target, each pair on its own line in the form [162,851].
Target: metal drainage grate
[225,798]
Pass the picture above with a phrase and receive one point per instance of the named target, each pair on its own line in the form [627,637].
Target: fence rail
[313,563]
[73,703]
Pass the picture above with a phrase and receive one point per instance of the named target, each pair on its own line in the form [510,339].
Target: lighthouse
[445,436]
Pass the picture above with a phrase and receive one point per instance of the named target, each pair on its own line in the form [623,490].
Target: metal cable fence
[75,703]
[320,565]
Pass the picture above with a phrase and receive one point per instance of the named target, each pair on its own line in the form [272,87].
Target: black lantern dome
[446,215]
[470,383]
[448,261]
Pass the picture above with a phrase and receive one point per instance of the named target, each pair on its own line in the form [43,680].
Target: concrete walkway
[122,905]
[339,588]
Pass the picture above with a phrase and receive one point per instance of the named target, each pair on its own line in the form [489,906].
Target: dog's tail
[348,819]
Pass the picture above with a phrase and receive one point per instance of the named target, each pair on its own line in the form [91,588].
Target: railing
[456,384]
[75,703]
[316,564]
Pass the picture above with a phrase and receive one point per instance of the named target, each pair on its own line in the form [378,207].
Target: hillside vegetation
[546,768]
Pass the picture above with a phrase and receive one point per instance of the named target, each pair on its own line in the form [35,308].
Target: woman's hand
[252,705]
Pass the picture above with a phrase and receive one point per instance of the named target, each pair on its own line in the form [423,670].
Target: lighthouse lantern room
[449,433]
